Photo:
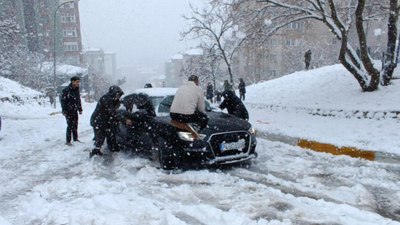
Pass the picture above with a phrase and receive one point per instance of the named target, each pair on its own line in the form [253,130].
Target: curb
[332,149]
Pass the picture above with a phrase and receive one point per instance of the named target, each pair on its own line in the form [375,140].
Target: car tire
[165,154]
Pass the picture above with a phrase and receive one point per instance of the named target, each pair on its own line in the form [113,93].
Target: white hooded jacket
[188,98]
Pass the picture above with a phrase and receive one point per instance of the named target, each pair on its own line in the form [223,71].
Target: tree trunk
[390,61]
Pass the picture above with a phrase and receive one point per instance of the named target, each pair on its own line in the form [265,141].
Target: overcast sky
[141,32]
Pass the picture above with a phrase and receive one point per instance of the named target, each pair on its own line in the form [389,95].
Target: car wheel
[165,153]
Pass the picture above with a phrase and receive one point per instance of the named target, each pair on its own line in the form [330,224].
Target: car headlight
[252,131]
[186,136]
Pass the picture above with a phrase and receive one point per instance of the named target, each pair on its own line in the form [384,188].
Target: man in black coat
[70,100]
[234,105]
[105,120]
[143,122]
[307,58]
[242,89]
[210,92]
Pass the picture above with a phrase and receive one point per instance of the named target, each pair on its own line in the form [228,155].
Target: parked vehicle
[226,140]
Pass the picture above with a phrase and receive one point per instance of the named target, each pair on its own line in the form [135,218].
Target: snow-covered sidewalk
[326,105]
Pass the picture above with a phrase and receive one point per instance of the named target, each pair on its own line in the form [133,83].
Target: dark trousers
[72,126]
[242,96]
[197,117]
[106,133]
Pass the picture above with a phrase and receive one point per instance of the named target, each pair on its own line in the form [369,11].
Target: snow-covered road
[45,182]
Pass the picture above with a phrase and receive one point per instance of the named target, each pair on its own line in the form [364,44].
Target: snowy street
[47,182]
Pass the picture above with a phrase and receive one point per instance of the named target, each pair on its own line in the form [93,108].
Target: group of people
[188,107]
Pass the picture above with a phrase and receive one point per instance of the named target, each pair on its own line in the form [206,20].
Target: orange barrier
[328,148]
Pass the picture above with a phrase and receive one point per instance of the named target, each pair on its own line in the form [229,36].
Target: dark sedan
[226,140]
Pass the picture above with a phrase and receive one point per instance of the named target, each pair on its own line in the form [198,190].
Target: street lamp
[62,2]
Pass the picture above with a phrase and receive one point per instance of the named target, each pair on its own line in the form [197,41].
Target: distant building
[110,65]
[69,22]
[95,60]
[182,65]
[283,53]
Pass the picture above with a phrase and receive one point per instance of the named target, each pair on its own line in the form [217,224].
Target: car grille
[224,144]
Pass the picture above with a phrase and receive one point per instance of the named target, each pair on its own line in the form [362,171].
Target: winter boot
[95,151]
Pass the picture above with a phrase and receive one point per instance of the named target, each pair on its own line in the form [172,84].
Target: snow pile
[326,88]
[9,88]
[18,101]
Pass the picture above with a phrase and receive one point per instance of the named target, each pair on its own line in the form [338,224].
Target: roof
[156,91]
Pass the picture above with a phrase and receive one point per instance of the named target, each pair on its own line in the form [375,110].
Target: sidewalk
[372,139]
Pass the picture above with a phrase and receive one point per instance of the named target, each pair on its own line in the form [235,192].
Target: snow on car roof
[157,91]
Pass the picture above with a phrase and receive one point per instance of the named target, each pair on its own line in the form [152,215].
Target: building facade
[283,52]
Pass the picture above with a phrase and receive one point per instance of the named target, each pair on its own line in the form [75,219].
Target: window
[70,5]
[68,18]
[70,32]
[272,73]
[73,59]
[271,41]
[272,58]
[296,25]
[290,42]
[71,46]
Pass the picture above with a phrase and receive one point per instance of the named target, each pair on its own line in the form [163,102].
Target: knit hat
[75,78]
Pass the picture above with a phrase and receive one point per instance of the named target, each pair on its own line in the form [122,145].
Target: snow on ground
[287,104]
[46,182]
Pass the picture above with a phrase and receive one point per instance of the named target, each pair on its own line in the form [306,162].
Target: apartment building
[182,65]
[36,19]
[283,53]
[70,32]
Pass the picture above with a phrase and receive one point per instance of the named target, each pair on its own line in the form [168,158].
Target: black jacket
[70,100]
[234,105]
[106,114]
[210,91]
[145,111]
[142,102]
[242,87]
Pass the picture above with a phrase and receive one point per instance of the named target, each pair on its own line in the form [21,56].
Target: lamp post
[63,2]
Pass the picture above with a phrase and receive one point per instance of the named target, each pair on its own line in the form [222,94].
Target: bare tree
[16,62]
[215,26]
[340,17]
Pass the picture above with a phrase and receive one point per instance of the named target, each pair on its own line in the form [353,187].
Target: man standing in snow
[210,92]
[188,105]
[242,89]
[307,58]
[70,100]
[105,120]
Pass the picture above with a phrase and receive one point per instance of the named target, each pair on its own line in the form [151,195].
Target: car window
[155,100]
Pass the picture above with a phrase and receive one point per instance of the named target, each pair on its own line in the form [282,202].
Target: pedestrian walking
[70,100]
[242,89]
[307,58]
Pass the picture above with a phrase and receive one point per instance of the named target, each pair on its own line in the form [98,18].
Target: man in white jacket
[189,104]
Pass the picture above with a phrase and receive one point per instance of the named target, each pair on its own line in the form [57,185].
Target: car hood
[219,122]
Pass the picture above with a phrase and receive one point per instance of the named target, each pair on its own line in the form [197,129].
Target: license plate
[233,145]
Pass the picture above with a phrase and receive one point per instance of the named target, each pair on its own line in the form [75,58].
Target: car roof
[157,92]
